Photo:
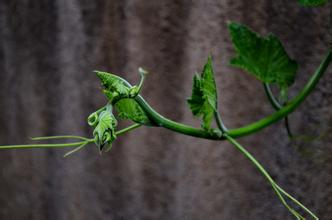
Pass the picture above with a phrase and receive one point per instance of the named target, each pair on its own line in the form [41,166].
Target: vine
[263,57]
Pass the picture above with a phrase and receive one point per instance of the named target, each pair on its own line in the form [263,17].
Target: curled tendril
[93,119]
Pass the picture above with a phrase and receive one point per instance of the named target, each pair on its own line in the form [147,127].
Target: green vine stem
[58,137]
[127,129]
[272,99]
[29,146]
[162,121]
[78,145]
[278,190]
[245,130]
[277,106]
[219,122]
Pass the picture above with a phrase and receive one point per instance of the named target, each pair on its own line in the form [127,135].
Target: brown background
[48,50]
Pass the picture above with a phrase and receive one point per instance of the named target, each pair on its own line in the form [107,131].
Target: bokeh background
[48,50]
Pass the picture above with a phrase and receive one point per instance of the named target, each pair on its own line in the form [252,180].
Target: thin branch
[277,106]
[278,190]
[127,129]
[58,137]
[219,122]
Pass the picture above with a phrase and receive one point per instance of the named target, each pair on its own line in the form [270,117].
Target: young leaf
[312,3]
[121,95]
[265,58]
[129,109]
[203,101]
[104,127]
[115,88]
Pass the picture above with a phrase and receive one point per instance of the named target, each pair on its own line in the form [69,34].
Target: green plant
[263,57]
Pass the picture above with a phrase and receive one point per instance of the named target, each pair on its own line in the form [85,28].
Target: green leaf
[312,3]
[115,87]
[203,101]
[129,109]
[265,58]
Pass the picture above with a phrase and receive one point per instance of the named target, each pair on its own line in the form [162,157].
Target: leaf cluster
[263,57]
[104,124]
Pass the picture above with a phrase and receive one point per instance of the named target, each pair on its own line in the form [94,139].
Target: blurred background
[48,50]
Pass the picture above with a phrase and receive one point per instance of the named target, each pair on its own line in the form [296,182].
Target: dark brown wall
[48,50]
